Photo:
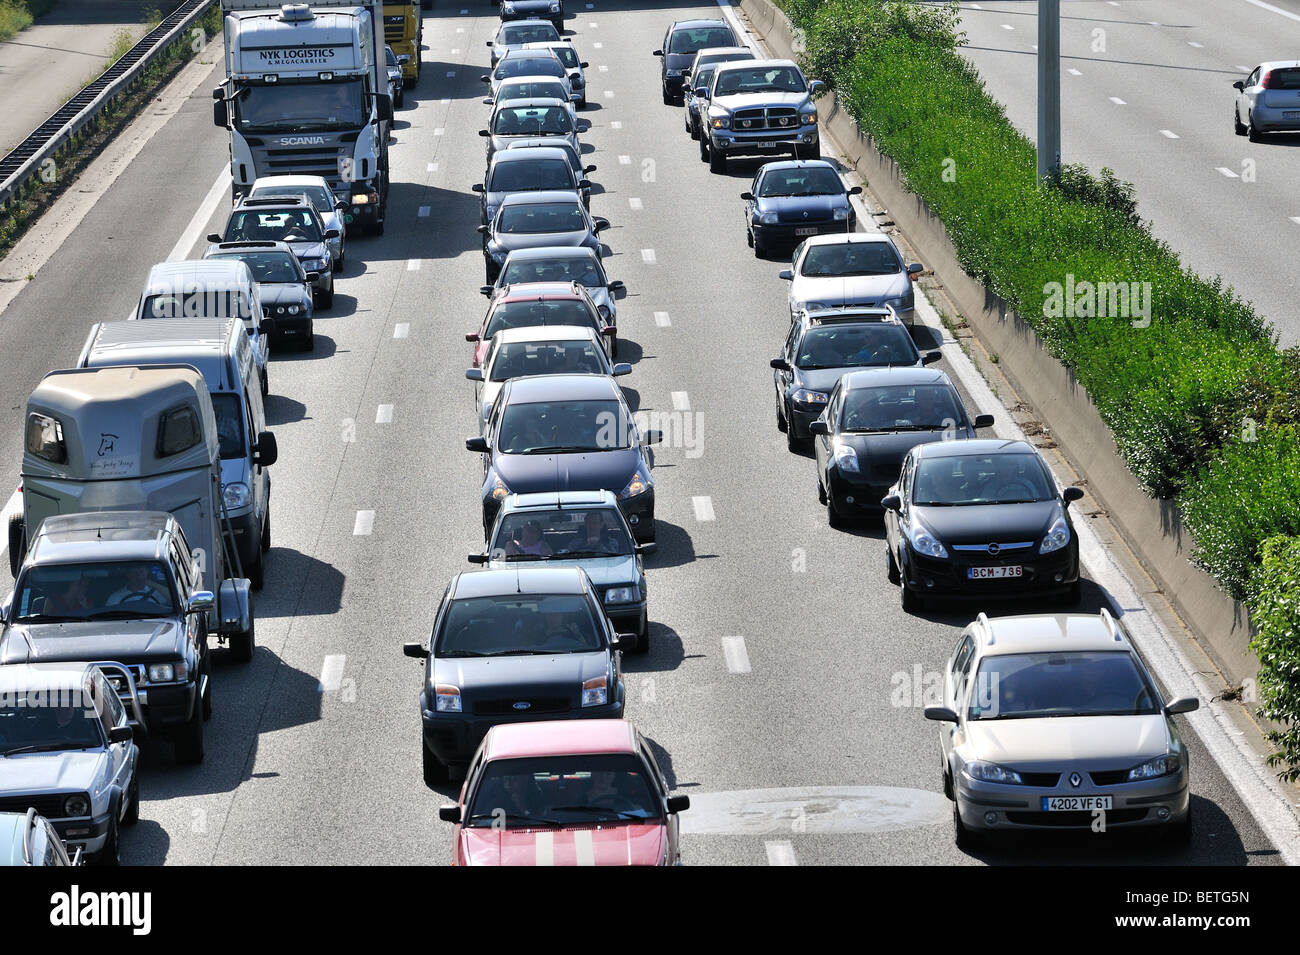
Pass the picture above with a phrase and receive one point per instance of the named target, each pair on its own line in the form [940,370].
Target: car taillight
[1264,81]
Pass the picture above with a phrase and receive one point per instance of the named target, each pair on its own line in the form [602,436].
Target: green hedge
[1204,408]
[1274,602]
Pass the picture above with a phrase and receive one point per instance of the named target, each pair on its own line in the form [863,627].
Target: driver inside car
[138,588]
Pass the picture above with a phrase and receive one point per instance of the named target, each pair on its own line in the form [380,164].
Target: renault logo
[994,548]
[805,215]
[1075,780]
[523,705]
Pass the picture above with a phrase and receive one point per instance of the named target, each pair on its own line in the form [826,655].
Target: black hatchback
[683,40]
[980,519]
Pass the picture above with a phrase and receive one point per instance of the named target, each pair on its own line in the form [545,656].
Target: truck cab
[404,32]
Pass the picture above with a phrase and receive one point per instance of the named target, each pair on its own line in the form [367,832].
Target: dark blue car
[792,200]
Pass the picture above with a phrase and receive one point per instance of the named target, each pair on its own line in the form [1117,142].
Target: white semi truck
[306,93]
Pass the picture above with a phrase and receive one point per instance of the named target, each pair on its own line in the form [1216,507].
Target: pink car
[565,792]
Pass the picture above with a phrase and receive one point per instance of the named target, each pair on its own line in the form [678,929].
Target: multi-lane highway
[779,648]
[1146,89]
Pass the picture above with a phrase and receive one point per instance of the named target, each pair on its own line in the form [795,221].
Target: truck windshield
[301,107]
[98,590]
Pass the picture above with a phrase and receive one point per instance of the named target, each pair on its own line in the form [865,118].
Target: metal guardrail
[28,157]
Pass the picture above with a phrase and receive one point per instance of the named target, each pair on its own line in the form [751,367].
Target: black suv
[291,219]
[683,40]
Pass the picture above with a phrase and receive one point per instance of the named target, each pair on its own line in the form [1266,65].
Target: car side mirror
[486,290]
[819,426]
[815,87]
[482,230]
[266,452]
[590,168]
[1239,85]
[678,803]
[312,278]
[891,502]
[476,444]
[621,369]
[653,436]
[780,364]
[1071,494]
[488,101]
[747,196]
[785,274]
[331,233]
[121,734]
[855,191]
[657,53]
[473,374]
[626,641]
[609,331]
[201,601]
[584,64]
[449,813]
[616,286]
[930,357]
[983,421]
[484,133]
[340,206]
[940,714]
[477,187]
[471,336]
[417,650]
[478,558]
[601,223]
[1184,704]
[213,237]
[914,270]
[488,43]
[403,59]
[485,78]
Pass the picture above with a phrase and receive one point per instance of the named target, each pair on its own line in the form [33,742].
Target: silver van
[209,288]
[220,351]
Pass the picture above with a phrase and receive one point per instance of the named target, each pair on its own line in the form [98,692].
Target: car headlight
[499,489]
[446,698]
[768,218]
[162,672]
[555,8]
[899,301]
[720,122]
[809,306]
[924,543]
[841,215]
[235,494]
[991,773]
[317,265]
[639,484]
[294,309]
[1058,535]
[808,116]
[803,396]
[623,595]
[846,459]
[595,692]
[76,805]
[1160,766]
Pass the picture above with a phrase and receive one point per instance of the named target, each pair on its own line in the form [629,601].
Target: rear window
[537,217]
[267,267]
[693,40]
[1288,79]
[568,56]
[230,424]
[516,359]
[211,303]
[532,174]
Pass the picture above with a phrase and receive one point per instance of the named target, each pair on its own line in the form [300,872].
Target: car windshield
[268,268]
[532,89]
[47,720]
[901,408]
[536,217]
[760,79]
[300,107]
[570,532]
[806,181]
[544,427]
[1012,477]
[532,121]
[272,225]
[212,303]
[531,175]
[1022,686]
[318,196]
[854,346]
[560,311]
[528,66]
[519,625]
[694,39]
[229,410]
[850,258]
[103,590]
[516,359]
[515,34]
[585,270]
[557,791]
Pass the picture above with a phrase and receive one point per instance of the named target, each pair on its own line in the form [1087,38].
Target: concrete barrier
[1152,528]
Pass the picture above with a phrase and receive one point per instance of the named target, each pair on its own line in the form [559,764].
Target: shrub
[1274,603]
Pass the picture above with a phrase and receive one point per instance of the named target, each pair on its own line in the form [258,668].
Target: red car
[531,304]
[565,792]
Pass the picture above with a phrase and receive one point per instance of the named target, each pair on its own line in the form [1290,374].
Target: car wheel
[435,770]
[1251,132]
[760,249]
[17,542]
[643,636]
[793,442]
[188,739]
[111,854]
[1237,126]
[967,839]
[668,97]
[704,148]
[343,257]
[781,423]
[694,129]
[257,572]
[821,491]
[378,228]
[613,348]
[891,566]
[947,785]
[327,297]
[717,160]
[912,601]
[132,802]
[266,382]
[749,237]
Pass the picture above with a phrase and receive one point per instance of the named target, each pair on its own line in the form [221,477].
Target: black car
[285,289]
[514,645]
[552,10]
[291,219]
[567,433]
[794,199]
[980,519]
[525,170]
[821,347]
[872,420]
[533,220]
[683,40]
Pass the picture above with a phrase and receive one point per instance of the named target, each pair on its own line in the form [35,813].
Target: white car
[514,34]
[568,58]
[317,191]
[861,268]
[1268,100]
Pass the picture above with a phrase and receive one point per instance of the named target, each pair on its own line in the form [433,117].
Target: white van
[220,351]
[209,288]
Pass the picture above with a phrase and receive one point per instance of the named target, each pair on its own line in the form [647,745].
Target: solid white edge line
[1272,9]
[780,852]
[331,672]
[735,655]
[364,525]
[703,508]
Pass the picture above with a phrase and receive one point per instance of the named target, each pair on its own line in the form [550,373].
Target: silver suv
[759,107]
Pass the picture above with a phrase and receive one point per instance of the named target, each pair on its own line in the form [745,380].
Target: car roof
[800,164]
[542,142]
[100,535]
[715,50]
[559,499]
[534,388]
[971,446]
[849,238]
[552,252]
[1029,633]
[751,64]
[545,333]
[523,155]
[696,24]
[524,53]
[24,677]
[537,291]
[531,21]
[882,377]
[559,738]
[248,245]
[164,276]
[849,314]
[525,581]
[274,202]
[288,180]
[537,198]
[531,78]
[1278,65]
[531,101]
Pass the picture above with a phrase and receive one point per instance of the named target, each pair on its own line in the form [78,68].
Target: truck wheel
[435,770]
[17,543]
[133,802]
[243,644]
[188,738]
[717,160]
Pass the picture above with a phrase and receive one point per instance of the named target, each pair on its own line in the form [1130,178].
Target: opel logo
[994,548]
[523,705]
[1075,780]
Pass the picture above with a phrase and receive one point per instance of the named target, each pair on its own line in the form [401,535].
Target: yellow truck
[403,29]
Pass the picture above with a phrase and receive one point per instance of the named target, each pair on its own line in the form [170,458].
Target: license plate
[766,145]
[1291,114]
[1076,803]
[810,230]
[995,573]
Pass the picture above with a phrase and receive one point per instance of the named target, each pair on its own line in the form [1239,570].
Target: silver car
[316,191]
[524,63]
[549,119]
[696,77]
[513,34]
[572,151]
[568,58]
[561,264]
[532,220]
[1268,100]
[1052,721]
[396,81]
[859,268]
[532,87]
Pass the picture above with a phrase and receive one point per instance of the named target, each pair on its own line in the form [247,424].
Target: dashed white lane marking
[603,68]
[460,29]
[423,212]
[1168,134]
[1272,9]
[463,12]
[1073,72]
[384,415]
[592,25]
[545,848]
[365,523]
[432,167]
[615,125]
[453,53]
[1193,43]
[609,94]
[681,401]
[596,46]
[663,321]
[1225,171]
[1117,101]
[438,131]
[331,672]
[634,203]
[401,329]
[584,847]
[780,852]
[703,507]
[625,160]
[412,265]
[1295,219]
[648,256]
[451,73]
[734,652]
[1007,26]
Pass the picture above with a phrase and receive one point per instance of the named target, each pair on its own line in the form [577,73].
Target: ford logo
[522,705]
